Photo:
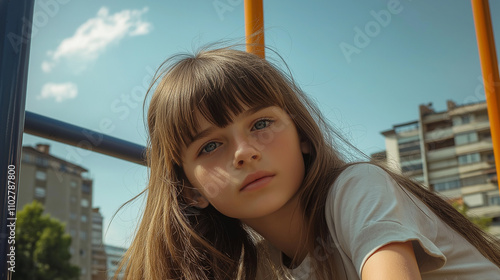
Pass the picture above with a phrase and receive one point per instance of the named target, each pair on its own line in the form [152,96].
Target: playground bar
[15,33]
[489,68]
[83,138]
[254,27]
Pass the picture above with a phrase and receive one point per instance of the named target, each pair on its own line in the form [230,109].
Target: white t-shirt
[366,209]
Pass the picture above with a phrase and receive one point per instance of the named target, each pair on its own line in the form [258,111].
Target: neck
[285,229]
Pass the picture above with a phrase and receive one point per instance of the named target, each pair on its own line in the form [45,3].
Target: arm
[392,261]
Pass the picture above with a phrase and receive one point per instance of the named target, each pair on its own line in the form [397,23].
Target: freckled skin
[247,145]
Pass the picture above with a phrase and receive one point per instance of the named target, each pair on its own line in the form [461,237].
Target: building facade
[114,256]
[98,253]
[451,152]
[66,193]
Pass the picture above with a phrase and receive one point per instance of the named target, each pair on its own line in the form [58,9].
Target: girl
[246,182]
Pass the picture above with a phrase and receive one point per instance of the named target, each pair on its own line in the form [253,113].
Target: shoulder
[365,188]
[362,169]
[367,209]
[362,175]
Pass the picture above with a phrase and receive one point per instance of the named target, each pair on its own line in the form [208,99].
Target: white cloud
[93,37]
[59,92]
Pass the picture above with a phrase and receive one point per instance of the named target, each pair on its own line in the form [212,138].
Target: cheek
[276,139]
[212,182]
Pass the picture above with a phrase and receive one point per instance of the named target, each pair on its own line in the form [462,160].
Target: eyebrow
[210,129]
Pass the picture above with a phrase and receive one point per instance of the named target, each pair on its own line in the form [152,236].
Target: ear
[194,197]
[305,147]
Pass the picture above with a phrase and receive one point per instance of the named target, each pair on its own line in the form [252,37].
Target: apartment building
[114,255]
[451,152]
[99,268]
[65,190]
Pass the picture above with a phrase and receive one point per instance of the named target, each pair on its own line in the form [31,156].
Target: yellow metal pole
[489,68]
[254,27]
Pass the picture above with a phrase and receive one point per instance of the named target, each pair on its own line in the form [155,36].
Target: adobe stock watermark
[44,11]
[121,107]
[223,6]
[363,36]
[483,89]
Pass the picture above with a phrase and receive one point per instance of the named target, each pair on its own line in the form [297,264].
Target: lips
[255,179]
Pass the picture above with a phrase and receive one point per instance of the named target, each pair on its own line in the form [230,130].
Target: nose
[245,153]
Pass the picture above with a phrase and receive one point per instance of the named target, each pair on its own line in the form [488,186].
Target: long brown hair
[176,240]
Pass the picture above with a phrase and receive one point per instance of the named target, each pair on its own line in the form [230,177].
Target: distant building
[66,193]
[451,152]
[99,271]
[379,157]
[114,255]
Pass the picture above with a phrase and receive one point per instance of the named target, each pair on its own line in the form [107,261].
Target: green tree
[42,247]
[482,222]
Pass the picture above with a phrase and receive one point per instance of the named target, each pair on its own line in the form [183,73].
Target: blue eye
[210,147]
[261,124]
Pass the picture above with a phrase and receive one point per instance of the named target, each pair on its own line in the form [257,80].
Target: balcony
[435,118]
[472,126]
[480,146]
[447,172]
[439,134]
[474,167]
[453,162]
[467,109]
[440,154]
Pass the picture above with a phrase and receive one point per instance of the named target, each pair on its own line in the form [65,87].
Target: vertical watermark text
[11,217]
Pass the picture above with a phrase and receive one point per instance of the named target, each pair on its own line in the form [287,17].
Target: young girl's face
[250,168]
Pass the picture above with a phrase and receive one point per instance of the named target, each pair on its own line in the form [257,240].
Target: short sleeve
[366,209]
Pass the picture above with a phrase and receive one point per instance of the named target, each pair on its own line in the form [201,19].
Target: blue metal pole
[83,138]
[15,33]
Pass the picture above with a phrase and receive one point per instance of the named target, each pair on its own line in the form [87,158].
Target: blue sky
[369,64]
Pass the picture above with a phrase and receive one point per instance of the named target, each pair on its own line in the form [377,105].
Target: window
[409,146]
[475,180]
[474,200]
[27,157]
[411,167]
[72,183]
[403,140]
[72,216]
[410,157]
[96,219]
[465,138]
[84,202]
[83,218]
[82,252]
[448,185]
[86,187]
[83,235]
[40,192]
[495,200]
[41,161]
[469,158]
[490,157]
[464,119]
[41,175]
[73,199]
